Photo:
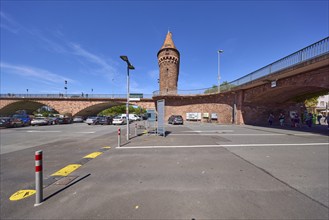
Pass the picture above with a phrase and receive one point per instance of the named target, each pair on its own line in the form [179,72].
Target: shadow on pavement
[71,184]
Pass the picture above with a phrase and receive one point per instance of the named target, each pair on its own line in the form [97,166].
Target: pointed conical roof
[168,43]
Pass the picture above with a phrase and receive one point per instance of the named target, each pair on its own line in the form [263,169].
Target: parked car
[132,117]
[93,120]
[24,117]
[40,121]
[53,120]
[119,120]
[105,120]
[65,120]
[10,122]
[175,119]
[78,119]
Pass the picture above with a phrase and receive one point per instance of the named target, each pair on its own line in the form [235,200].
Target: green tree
[121,109]
[223,87]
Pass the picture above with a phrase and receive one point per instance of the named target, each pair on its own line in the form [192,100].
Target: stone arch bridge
[75,106]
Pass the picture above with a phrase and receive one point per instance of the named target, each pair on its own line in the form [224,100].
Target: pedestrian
[297,121]
[309,120]
[319,118]
[281,119]
[270,119]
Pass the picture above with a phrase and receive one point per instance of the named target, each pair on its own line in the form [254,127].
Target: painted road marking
[248,134]
[209,131]
[93,155]
[66,170]
[22,194]
[224,145]
[37,131]
[85,132]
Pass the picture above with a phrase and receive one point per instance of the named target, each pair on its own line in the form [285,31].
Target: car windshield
[118,117]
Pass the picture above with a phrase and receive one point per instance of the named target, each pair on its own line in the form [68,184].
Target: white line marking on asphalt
[223,145]
[209,131]
[85,132]
[36,131]
[248,134]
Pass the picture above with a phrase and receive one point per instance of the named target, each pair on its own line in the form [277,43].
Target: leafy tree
[223,87]
[121,109]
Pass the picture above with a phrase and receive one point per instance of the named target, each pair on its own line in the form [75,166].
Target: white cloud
[35,73]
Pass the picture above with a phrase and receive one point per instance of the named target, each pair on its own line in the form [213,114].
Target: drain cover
[65,180]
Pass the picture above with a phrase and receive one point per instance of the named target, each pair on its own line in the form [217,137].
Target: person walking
[309,120]
[281,119]
[319,118]
[270,119]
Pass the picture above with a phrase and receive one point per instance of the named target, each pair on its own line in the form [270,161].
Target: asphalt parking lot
[199,171]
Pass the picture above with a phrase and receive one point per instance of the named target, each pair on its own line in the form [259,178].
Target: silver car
[40,121]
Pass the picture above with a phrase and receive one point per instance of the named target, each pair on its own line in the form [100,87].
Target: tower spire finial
[168,43]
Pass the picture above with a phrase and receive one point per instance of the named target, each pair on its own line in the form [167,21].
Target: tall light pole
[65,87]
[219,52]
[129,67]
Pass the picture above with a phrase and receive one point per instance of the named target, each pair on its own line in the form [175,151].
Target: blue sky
[44,43]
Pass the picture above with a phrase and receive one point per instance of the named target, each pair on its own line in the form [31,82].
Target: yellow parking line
[93,155]
[21,194]
[67,170]
[107,147]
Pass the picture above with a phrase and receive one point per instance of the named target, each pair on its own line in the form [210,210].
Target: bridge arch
[290,89]
[11,106]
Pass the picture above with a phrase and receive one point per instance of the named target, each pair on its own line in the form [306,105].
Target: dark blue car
[25,118]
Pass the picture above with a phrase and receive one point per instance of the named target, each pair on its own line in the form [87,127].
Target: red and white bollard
[119,137]
[38,178]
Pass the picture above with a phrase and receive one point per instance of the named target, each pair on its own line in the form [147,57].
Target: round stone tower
[168,60]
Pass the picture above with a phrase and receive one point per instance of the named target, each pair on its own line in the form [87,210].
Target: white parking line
[36,131]
[85,132]
[223,145]
[209,131]
[248,134]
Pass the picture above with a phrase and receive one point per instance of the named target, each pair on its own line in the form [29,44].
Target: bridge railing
[70,96]
[314,50]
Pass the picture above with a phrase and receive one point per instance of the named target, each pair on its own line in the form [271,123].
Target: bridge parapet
[70,96]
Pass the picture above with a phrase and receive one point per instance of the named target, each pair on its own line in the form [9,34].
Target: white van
[132,117]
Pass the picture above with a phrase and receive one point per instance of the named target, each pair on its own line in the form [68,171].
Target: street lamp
[129,67]
[219,52]
[65,87]
[27,92]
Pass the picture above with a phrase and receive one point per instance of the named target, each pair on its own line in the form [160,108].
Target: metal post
[127,105]
[119,137]
[219,52]
[38,178]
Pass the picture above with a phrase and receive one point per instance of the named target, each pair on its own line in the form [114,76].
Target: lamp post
[219,52]
[65,87]
[129,67]
[92,91]
[27,92]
